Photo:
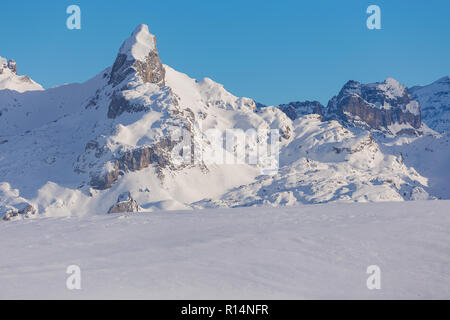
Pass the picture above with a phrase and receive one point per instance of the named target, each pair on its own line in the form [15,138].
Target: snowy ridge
[11,81]
[75,149]
[435,102]
[380,107]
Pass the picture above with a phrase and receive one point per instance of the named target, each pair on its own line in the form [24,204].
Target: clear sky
[271,51]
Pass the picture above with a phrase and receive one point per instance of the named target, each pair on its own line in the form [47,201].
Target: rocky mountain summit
[299,109]
[10,80]
[125,203]
[138,137]
[8,64]
[385,106]
[137,60]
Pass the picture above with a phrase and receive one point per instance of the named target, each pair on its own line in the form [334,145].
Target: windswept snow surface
[302,252]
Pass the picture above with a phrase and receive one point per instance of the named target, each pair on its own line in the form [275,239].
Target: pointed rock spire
[138,56]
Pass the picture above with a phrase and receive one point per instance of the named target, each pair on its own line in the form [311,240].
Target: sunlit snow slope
[319,251]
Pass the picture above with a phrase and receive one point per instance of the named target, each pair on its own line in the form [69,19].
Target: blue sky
[271,51]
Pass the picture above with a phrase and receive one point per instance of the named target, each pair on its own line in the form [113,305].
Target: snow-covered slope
[140,130]
[75,149]
[10,80]
[327,162]
[306,252]
[435,102]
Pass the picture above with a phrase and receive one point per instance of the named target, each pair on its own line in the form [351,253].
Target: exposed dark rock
[119,104]
[298,109]
[22,210]
[372,106]
[12,65]
[125,203]
[106,180]
[362,145]
[137,159]
[121,69]
[150,70]
[259,105]
[285,132]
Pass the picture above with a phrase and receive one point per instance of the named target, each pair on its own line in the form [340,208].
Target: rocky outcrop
[125,203]
[23,210]
[137,159]
[8,64]
[119,104]
[12,65]
[138,58]
[298,109]
[375,106]
[132,60]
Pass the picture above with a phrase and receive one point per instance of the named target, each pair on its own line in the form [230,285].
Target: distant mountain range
[112,143]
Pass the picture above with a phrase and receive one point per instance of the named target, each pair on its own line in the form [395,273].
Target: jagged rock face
[298,109]
[125,203]
[10,80]
[434,100]
[8,64]
[119,104]
[106,180]
[135,160]
[147,66]
[375,106]
[138,58]
[259,105]
[12,66]
[150,71]
[24,210]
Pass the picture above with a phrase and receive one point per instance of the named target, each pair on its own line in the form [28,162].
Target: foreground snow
[319,251]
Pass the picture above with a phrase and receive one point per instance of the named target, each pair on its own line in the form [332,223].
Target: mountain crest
[10,80]
[138,56]
[385,106]
[8,64]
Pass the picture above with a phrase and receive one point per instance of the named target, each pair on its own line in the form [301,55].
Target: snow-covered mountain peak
[138,60]
[382,106]
[8,64]
[139,44]
[10,80]
[392,87]
[146,131]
